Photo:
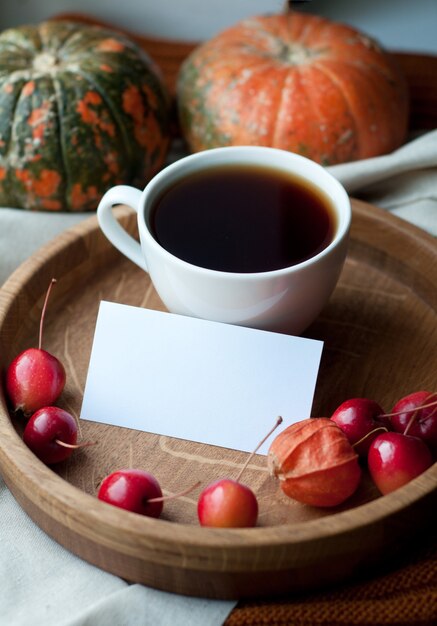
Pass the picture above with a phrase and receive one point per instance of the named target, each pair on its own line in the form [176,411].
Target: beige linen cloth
[41,583]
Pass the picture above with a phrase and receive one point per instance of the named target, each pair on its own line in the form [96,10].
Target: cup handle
[112,229]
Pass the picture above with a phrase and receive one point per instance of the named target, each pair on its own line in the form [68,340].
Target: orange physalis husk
[315,463]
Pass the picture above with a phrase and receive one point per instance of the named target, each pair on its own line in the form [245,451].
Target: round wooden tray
[380,333]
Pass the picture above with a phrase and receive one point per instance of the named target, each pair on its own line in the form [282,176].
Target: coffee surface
[243,219]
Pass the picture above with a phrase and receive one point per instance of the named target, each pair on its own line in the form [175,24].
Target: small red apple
[132,489]
[417,412]
[227,503]
[395,459]
[35,378]
[357,418]
[51,434]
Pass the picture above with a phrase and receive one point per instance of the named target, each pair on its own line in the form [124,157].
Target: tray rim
[197,538]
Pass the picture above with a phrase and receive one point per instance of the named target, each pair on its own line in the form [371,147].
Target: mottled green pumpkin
[82,108]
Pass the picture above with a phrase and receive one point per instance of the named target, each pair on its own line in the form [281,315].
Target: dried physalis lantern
[315,463]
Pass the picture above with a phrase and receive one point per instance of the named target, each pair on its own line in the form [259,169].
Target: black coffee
[243,219]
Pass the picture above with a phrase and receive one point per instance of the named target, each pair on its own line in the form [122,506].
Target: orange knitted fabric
[405,597]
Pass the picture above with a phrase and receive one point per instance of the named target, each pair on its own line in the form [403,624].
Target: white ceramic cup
[285,300]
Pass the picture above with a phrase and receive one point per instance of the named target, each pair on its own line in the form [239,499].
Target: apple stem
[375,430]
[416,408]
[174,495]
[249,458]
[43,312]
[74,446]
[411,421]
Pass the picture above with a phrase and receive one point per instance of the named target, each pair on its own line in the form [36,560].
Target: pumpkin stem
[44,62]
[296,54]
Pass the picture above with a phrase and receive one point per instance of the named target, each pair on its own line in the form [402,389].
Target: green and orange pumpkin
[296,82]
[82,108]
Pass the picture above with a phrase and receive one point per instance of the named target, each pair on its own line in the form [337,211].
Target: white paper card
[193,379]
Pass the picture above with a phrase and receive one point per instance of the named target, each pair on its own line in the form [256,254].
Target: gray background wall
[398,24]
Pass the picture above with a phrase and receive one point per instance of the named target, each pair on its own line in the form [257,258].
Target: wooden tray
[380,334]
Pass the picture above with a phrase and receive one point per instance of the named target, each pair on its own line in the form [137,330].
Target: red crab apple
[228,503]
[51,434]
[35,378]
[361,420]
[137,491]
[416,415]
[394,459]
[132,489]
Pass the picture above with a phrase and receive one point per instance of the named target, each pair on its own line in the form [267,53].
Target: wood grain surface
[380,334]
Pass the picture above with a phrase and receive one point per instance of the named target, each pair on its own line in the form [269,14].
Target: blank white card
[194,379]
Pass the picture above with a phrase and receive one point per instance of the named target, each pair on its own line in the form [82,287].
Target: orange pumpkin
[297,82]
